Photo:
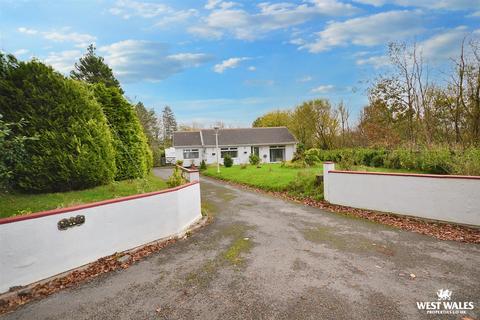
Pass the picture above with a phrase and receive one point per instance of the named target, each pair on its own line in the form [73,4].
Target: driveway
[266,258]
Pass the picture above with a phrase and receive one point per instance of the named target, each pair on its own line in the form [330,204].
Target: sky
[232,61]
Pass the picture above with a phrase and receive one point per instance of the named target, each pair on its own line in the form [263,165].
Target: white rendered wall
[34,249]
[452,199]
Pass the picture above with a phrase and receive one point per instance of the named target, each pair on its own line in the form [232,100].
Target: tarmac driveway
[265,258]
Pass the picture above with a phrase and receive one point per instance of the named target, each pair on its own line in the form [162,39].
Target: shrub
[243,166]
[176,179]
[254,159]
[133,156]
[74,146]
[438,160]
[203,165]
[13,151]
[179,163]
[227,161]
[311,157]
[467,163]
[304,185]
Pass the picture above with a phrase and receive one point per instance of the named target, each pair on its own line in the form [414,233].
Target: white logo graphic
[444,294]
[444,305]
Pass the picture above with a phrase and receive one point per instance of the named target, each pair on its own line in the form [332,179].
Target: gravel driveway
[265,258]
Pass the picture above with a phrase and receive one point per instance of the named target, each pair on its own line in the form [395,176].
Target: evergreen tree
[133,157]
[169,125]
[151,128]
[93,69]
[73,146]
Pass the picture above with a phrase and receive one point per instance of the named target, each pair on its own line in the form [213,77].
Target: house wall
[243,154]
[446,198]
[33,248]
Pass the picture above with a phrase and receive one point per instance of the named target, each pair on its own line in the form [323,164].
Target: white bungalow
[270,144]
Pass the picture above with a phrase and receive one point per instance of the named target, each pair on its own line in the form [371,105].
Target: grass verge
[12,204]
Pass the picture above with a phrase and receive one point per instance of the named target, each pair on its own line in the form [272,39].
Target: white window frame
[229,150]
[187,153]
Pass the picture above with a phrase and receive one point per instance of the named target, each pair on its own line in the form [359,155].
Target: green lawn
[269,177]
[273,176]
[17,203]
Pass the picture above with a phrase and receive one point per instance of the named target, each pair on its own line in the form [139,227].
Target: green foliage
[468,162]
[227,161]
[149,121]
[12,151]
[179,163]
[203,165]
[93,69]
[277,118]
[305,186]
[74,148]
[169,126]
[176,179]
[312,156]
[254,159]
[243,166]
[133,157]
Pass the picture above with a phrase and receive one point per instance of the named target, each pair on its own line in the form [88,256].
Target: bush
[312,157]
[227,161]
[74,146]
[179,163]
[243,166]
[203,165]
[176,179]
[13,151]
[438,160]
[133,156]
[467,163]
[254,159]
[304,186]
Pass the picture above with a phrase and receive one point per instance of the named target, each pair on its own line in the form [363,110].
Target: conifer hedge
[73,146]
[133,156]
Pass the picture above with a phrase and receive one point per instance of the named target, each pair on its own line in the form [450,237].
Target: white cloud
[62,35]
[20,52]
[167,16]
[228,64]
[228,18]
[305,79]
[27,30]
[475,14]
[252,68]
[135,60]
[63,61]
[323,89]
[370,30]
[438,48]
[427,4]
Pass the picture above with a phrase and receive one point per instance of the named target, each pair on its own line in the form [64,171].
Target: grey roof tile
[227,137]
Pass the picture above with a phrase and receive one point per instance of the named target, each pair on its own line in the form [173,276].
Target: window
[232,151]
[190,154]
[256,150]
[277,153]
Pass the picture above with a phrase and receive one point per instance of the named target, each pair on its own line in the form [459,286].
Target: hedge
[73,146]
[133,156]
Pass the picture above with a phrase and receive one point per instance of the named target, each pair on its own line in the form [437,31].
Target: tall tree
[151,127]
[277,118]
[169,125]
[92,68]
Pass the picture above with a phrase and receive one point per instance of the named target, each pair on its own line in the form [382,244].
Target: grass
[12,204]
[274,177]
[271,177]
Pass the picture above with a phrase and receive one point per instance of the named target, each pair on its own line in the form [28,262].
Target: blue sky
[232,61]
